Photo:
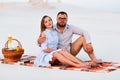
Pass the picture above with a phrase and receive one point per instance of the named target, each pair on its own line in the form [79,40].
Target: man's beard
[61,25]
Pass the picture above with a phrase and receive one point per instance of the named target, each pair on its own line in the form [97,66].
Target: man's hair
[62,12]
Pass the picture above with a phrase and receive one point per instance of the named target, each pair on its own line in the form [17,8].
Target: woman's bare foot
[85,64]
[97,61]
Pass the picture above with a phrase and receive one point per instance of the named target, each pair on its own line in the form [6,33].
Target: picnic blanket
[28,60]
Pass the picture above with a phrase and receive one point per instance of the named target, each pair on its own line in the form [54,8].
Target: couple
[56,43]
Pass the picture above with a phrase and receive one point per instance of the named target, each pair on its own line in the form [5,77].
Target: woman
[49,52]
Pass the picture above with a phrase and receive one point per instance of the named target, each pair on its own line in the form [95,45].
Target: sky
[106,5]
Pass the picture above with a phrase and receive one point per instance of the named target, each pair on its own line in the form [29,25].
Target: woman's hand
[48,50]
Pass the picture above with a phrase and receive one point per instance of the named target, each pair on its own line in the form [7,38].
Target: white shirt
[65,37]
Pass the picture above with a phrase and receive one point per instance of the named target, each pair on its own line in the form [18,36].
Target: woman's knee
[55,54]
[62,52]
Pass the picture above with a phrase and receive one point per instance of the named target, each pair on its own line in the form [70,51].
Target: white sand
[22,22]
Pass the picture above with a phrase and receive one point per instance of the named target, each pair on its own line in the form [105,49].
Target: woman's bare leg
[70,57]
[64,60]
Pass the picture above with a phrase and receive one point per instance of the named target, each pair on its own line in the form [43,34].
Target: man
[65,33]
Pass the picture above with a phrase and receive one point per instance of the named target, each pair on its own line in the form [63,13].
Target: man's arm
[41,38]
[82,32]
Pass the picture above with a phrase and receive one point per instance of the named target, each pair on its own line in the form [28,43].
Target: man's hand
[89,48]
[41,38]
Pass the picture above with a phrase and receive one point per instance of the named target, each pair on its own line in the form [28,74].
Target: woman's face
[48,23]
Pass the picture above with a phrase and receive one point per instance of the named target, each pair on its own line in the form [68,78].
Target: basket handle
[19,44]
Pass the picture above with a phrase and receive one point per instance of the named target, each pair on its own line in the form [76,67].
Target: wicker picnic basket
[12,55]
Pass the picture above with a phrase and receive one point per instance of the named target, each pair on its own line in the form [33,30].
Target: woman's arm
[47,50]
[44,45]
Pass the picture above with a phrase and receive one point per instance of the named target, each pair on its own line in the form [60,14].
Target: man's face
[61,20]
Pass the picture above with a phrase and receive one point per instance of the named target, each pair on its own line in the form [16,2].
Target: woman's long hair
[42,26]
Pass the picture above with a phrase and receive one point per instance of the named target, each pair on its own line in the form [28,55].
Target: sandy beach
[22,21]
